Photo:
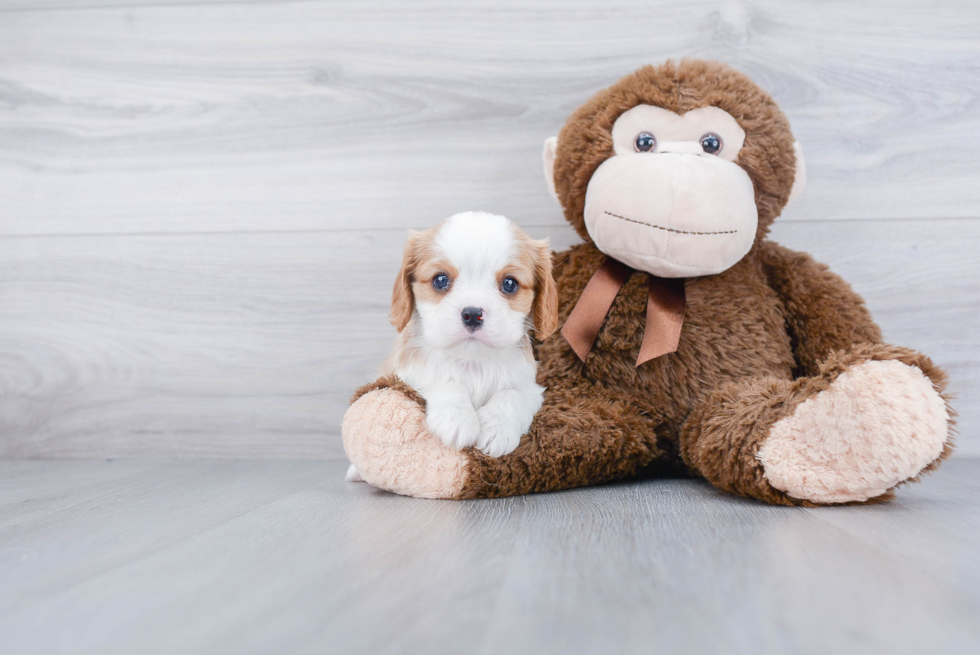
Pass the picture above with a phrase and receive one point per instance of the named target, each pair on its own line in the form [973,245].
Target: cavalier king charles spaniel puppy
[468,292]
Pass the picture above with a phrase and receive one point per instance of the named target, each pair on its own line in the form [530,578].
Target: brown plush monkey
[688,339]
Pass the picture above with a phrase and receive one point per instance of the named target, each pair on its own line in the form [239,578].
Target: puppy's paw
[455,424]
[353,475]
[500,431]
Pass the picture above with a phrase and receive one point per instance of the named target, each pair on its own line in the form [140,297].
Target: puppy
[468,291]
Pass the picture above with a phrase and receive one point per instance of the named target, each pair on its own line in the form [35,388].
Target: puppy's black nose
[472,318]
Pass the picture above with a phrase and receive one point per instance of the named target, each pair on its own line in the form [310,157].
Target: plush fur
[781,388]
[406,460]
[812,453]
[767,153]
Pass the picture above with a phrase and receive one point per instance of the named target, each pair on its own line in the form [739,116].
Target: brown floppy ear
[402,297]
[545,292]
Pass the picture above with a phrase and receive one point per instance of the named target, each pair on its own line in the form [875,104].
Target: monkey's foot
[387,442]
[877,425]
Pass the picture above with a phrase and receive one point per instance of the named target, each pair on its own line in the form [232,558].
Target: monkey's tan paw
[387,442]
[877,425]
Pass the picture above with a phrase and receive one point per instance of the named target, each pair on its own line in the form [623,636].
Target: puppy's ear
[402,297]
[545,292]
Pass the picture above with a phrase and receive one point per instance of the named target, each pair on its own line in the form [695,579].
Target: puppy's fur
[478,382]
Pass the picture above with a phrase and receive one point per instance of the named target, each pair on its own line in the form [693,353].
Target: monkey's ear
[402,297]
[799,180]
[550,149]
[545,292]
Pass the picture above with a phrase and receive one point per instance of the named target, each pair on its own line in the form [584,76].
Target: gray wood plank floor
[262,556]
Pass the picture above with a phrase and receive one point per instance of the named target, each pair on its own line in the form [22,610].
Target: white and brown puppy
[467,294]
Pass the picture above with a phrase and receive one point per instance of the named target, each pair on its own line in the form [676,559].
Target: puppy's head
[475,278]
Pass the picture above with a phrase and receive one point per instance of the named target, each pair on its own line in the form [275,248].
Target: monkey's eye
[509,286]
[711,143]
[441,282]
[645,142]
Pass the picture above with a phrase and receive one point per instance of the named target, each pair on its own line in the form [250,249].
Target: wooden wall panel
[250,345]
[202,204]
[132,117]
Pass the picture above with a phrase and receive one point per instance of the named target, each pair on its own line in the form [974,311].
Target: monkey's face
[669,194]
[671,201]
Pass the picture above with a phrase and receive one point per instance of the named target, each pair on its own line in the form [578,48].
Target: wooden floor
[219,556]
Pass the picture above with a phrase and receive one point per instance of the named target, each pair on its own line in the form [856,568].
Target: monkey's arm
[581,436]
[823,314]
[828,322]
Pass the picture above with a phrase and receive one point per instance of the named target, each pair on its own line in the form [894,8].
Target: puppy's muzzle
[472,318]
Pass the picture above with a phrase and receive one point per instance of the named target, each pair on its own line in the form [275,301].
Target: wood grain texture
[257,557]
[132,117]
[245,345]
[250,345]
[202,204]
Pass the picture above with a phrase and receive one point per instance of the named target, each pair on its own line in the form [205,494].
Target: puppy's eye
[509,285]
[711,143]
[441,281]
[645,142]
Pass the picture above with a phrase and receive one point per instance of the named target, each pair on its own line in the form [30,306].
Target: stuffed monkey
[688,339]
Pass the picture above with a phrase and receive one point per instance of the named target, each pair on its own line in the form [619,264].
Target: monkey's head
[676,170]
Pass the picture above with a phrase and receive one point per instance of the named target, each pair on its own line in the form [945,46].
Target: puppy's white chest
[480,377]
[483,379]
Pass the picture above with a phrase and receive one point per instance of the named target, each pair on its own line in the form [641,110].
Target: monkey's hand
[386,439]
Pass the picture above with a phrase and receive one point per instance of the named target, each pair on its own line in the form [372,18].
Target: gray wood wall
[202,204]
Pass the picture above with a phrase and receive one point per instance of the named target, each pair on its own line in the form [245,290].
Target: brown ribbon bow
[665,312]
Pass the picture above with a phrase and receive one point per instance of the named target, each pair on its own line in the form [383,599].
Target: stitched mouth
[666,229]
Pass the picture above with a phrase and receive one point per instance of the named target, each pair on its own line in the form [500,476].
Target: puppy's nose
[472,318]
